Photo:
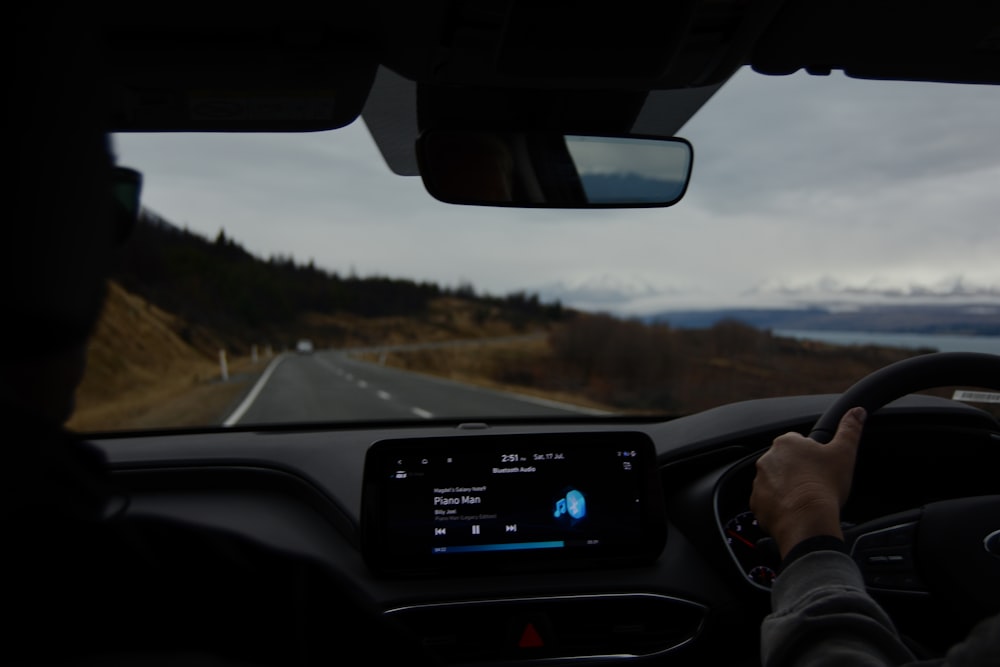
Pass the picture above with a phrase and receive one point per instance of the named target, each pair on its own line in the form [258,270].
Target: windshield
[831,226]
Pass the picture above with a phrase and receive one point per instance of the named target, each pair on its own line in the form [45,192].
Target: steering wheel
[950,549]
[941,369]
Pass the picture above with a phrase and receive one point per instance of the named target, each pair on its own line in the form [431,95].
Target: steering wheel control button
[885,558]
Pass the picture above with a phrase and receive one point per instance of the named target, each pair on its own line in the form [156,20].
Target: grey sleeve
[823,616]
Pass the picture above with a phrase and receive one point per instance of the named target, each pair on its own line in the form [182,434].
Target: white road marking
[330,365]
[252,396]
[423,414]
[362,384]
[384,395]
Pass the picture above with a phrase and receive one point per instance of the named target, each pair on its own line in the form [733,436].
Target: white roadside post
[223,366]
[253,354]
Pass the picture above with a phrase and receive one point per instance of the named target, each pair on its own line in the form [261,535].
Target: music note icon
[560,507]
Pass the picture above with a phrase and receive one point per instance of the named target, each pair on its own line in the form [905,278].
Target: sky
[804,190]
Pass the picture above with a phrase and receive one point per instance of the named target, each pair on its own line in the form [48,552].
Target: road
[332,386]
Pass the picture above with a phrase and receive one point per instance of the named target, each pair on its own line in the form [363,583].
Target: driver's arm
[822,614]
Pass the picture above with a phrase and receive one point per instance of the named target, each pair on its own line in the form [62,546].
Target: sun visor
[250,86]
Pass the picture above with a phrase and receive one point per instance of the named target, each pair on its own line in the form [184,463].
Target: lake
[941,343]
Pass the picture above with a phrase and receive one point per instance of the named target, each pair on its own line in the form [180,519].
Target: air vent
[553,628]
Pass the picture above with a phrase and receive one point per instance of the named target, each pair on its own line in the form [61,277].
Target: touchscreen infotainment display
[511,502]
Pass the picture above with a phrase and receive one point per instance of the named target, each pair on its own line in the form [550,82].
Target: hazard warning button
[531,633]
[530,637]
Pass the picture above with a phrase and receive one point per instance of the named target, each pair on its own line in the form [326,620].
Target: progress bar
[510,546]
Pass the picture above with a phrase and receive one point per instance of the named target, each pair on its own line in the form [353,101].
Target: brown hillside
[138,363]
[446,319]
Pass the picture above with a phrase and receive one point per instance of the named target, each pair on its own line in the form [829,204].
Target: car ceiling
[642,67]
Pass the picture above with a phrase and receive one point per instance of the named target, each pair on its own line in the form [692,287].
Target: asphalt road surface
[331,386]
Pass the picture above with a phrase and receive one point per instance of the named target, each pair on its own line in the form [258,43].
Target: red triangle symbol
[530,638]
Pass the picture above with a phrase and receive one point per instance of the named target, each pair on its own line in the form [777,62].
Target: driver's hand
[801,484]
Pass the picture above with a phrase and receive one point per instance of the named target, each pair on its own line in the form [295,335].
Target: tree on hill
[220,284]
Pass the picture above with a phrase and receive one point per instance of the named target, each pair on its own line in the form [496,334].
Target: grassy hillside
[147,368]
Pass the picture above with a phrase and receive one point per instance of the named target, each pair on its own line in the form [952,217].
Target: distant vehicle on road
[304,346]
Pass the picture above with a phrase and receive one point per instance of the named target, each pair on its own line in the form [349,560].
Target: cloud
[796,180]
[761,136]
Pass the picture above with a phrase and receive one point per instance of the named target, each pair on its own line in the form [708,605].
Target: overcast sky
[804,188]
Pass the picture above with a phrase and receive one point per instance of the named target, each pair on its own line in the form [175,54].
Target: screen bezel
[380,547]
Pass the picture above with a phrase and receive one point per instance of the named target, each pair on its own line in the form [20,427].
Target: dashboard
[615,540]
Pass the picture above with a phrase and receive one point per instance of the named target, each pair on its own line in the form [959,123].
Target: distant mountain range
[953,306]
[967,319]
[628,188]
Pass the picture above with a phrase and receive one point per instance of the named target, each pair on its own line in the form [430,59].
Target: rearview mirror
[552,170]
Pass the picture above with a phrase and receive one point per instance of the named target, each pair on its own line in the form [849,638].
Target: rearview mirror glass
[551,170]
